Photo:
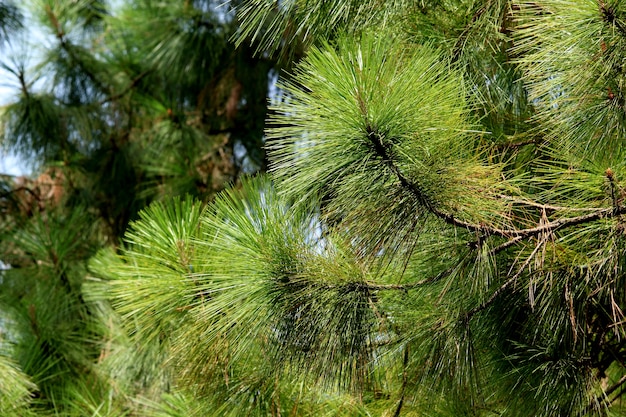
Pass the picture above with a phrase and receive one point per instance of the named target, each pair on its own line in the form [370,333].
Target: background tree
[113,105]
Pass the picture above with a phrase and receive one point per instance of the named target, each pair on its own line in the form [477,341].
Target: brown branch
[604,397]
[60,34]
[450,219]
[568,221]
[460,42]
[503,287]
[405,363]
[532,231]
[543,206]
[505,245]
[125,91]
[17,190]
[515,145]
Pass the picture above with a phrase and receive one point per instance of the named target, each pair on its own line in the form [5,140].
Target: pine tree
[440,231]
[440,234]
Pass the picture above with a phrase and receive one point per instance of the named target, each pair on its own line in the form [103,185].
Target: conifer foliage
[112,105]
[440,231]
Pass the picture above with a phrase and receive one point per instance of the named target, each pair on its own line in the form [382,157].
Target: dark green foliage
[49,330]
[10,20]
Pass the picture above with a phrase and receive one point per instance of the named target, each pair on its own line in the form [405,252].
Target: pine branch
[23,84]
[134,82]
[516,145]
[421,196]
[505,245]
[391,287]
[608,14]
[405,362]
[460,42]
[18,190]
[60,34]
[615,387]
[604,397]
[409,286]
[382,152]
[503,287]
[367,286]
[543,206]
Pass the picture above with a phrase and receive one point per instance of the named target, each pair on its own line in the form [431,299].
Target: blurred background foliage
[109,106]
